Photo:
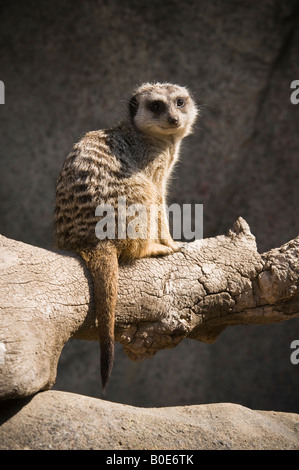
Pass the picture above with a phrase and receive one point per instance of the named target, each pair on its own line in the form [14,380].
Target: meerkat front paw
[175,246]
[157,249]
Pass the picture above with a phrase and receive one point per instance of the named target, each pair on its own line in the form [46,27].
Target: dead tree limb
[46,298]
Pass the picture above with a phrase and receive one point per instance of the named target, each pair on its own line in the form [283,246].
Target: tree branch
[46,298]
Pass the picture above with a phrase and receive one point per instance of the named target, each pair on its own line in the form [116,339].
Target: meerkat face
[163,109]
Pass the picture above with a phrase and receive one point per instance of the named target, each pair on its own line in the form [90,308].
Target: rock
[64,421]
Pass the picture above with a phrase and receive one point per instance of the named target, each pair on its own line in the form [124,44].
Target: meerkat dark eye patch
[157,107]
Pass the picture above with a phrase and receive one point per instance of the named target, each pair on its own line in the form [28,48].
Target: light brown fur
[134,160]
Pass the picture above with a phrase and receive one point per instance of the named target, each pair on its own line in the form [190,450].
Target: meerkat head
[163,109]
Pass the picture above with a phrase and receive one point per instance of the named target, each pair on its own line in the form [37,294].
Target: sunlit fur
[159,126]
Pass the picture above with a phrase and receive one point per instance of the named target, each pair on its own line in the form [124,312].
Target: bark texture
[46,298]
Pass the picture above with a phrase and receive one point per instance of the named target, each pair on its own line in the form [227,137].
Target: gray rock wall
[69,67]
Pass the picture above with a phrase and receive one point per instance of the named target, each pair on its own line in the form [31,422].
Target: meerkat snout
[174,121]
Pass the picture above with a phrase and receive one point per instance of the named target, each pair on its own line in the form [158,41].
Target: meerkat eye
[180,102]
[157,106]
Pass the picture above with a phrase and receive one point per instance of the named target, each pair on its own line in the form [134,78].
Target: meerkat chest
[159,169]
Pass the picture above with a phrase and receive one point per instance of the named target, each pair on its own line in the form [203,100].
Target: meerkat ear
[133,106]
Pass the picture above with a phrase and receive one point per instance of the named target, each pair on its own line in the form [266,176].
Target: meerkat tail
[103,265]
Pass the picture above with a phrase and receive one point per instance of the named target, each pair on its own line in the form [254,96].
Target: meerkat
[134,160]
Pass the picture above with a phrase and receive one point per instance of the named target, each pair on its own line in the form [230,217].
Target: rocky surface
[62,421]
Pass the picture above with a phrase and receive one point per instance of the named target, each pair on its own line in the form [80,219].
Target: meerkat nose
[173,120]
